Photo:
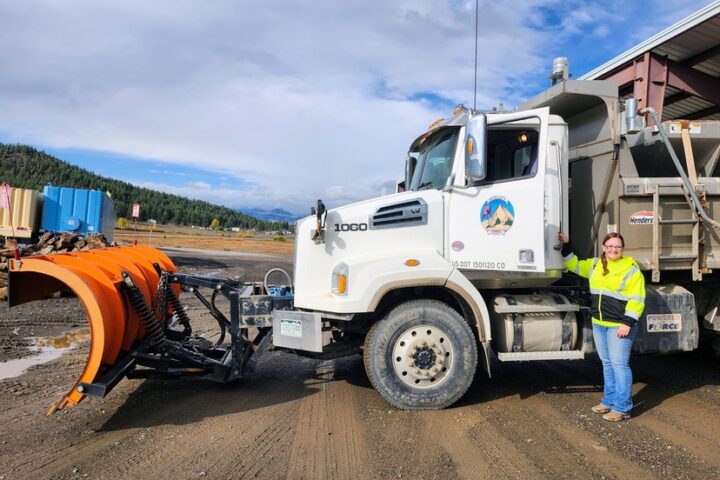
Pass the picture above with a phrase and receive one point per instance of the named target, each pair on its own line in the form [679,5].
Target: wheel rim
[422,356]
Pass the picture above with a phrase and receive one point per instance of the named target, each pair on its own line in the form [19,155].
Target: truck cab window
[435,160]
[511,153]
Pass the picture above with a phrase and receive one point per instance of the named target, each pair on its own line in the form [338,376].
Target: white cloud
[601,31]
[300,100]
[577,20]
[199,185]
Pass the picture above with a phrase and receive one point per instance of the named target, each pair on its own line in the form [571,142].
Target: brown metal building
[677,71]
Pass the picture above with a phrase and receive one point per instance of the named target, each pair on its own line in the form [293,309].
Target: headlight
[340,279]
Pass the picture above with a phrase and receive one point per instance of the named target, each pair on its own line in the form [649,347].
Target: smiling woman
[617,289]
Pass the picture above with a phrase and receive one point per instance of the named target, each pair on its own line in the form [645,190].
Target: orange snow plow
[97,278]
[138,326]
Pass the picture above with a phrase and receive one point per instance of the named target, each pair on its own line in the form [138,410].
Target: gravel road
[300,418]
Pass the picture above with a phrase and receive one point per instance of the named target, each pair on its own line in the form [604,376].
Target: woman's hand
[623,331]
[563,238]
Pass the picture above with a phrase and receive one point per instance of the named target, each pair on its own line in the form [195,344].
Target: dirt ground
[306,419]
[179,236]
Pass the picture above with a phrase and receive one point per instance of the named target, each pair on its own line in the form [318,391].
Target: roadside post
[152,222]
[135,215]
[6,202]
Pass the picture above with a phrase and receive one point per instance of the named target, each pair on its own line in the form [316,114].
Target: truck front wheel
[422,356]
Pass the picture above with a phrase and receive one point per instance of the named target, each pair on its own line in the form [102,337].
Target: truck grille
[405,214]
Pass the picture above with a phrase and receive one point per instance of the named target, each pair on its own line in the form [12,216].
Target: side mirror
[476,148]
[410,164]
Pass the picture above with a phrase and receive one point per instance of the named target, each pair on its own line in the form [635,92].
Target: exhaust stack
[560,70]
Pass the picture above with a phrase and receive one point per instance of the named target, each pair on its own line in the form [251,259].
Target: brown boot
[600,409]
[616,416]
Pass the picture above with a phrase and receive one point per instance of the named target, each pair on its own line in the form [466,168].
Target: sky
[277,103]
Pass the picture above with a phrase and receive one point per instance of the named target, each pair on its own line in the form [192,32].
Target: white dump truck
[462,266]
[466,262]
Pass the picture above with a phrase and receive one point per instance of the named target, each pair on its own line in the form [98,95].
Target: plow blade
[96,278]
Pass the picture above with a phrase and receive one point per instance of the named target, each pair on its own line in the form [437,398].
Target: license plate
[664,322]
[291,328]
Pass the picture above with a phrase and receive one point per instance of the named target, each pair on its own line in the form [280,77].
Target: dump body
[627,182]
[650,173]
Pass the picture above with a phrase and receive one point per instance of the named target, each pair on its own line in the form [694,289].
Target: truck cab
[484,201]
[492,217]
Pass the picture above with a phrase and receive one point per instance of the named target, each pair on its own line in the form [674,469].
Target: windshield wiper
[423,185]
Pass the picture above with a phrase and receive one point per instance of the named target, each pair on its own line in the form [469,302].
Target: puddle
[64,341]
[15,368]
[46,350]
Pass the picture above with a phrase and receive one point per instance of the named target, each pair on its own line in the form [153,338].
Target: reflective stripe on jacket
[619,296]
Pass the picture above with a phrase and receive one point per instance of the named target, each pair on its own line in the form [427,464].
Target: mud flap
[94,277]
[484,357]
[669,323]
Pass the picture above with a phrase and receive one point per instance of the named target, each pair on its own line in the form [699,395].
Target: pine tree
[25,167]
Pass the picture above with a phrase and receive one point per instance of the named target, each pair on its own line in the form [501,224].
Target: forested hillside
[25,167]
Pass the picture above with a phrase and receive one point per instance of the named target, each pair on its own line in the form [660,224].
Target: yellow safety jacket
[618,297]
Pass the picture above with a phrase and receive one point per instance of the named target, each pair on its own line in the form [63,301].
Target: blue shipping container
[78,211]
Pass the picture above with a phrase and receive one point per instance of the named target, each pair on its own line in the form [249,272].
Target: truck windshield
[434,160]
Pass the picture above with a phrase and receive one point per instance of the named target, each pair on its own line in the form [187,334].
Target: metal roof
[677,71]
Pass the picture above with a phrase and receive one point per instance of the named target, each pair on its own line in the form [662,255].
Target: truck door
[497,224]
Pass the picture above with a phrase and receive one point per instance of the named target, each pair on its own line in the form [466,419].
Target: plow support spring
[96,278]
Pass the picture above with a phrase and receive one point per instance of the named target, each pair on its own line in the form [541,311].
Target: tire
[422,356]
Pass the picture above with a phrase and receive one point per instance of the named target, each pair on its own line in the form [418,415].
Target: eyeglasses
[613,247]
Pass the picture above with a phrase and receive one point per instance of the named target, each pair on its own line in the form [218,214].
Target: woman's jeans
[614,353]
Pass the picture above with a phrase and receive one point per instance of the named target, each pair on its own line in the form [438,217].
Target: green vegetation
[25,167]
[121,223]
[245,234]
[215,224]
[278,238]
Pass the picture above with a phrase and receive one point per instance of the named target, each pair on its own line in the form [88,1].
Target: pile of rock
[48,244]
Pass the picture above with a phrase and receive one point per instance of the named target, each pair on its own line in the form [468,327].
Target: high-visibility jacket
[618,297]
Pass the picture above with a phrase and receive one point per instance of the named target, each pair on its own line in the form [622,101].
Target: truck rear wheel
[422,356]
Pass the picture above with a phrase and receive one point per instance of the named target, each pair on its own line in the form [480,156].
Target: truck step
[532,356]
[670,258]
[568,307]
[680,221]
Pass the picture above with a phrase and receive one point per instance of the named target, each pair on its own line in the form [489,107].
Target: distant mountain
[25,167]
[274,215]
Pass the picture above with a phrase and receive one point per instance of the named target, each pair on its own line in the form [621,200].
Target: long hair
[603,259]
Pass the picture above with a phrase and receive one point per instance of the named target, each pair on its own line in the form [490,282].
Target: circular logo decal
[458,246]
[497,215]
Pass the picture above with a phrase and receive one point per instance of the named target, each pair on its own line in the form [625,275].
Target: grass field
[186,237]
